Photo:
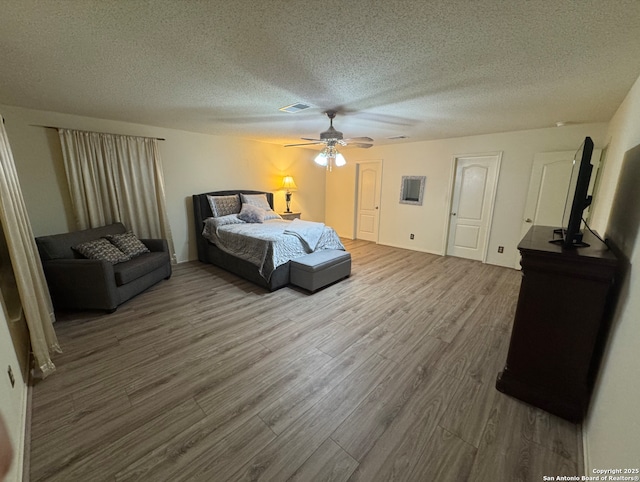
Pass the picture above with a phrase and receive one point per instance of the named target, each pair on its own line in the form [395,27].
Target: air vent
[293,108]
[398,137]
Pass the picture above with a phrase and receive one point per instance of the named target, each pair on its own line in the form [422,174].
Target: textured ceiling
[419,68]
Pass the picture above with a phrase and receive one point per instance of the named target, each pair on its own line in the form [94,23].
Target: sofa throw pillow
[101,249]
[251,214]
[258,200]
[224,205]
[128,243]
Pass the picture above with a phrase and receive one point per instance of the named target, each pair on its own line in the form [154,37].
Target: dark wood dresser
[560,324]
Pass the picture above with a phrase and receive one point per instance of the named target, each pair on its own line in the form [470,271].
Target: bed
[268,265]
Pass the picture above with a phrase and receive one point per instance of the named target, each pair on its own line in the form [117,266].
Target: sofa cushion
[128,243]
[101,249]
[60,246]
[139,266]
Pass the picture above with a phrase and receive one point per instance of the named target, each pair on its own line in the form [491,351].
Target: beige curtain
[27,268]
[116,178]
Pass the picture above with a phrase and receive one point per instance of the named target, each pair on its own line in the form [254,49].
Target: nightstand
[290,216]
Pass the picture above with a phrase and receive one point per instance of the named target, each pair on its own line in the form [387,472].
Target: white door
[548,187]
[368,210]
[474,190]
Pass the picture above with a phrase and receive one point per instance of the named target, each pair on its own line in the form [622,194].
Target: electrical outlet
[500,249]
[411,236]
[11,377]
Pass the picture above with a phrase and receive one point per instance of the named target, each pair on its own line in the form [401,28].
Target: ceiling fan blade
[303,144]
[332,137]
[359,139]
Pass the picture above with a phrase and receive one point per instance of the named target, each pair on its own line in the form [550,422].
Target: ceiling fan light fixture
[331,137]
[329,157]
[321,159]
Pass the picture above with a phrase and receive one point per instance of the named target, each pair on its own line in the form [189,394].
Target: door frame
[357,200]
[452,182]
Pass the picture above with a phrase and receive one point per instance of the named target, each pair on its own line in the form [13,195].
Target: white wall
[340,197]
[192,163]
[612,429]
[435,159]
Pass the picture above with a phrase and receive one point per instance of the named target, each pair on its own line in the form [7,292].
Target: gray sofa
[79,283]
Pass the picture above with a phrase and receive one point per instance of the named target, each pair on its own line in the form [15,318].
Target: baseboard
[437,253]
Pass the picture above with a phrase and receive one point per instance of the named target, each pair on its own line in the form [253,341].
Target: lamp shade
[289,184]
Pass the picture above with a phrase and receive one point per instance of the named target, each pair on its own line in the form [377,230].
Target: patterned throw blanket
[267,245]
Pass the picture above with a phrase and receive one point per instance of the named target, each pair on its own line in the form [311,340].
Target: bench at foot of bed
[319,269]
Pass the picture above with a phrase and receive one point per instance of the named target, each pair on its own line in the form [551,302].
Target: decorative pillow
[128,243]
[225,220]
[224,205]
[101,249]
[271,215]
[258,200]
[251,214]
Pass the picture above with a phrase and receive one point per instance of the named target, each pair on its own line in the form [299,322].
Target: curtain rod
[94,132]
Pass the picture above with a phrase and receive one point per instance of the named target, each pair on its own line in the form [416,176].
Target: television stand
[577,243]
[560,324]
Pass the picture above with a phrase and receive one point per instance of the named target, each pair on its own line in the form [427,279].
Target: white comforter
[269,245]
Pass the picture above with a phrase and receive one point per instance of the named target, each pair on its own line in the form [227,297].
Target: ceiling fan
[332,137]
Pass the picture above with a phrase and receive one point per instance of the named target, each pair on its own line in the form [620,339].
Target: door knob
[528,220]
[453,214]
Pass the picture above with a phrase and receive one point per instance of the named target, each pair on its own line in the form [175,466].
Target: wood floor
[388,375]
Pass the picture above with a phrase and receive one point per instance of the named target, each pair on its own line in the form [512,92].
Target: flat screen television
[578,198]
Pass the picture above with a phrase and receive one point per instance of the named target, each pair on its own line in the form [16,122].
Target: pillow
[258,200]
[224,205]
[101,249]
[225,220]
[128,243]
[271,215]
[251,214]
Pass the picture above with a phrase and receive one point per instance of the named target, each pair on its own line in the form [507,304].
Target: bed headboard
[202,211]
